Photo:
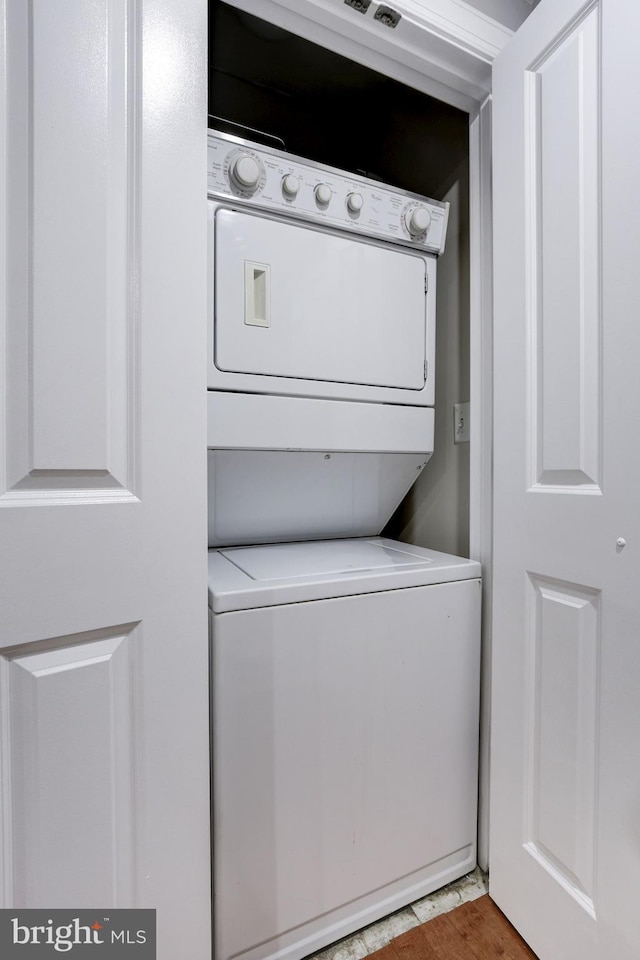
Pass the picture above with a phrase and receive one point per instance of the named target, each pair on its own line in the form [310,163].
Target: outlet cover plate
[461,422]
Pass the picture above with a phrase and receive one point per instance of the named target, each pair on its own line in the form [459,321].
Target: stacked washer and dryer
[344,666]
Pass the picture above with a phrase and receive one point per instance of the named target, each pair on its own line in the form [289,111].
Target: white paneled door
[103,636]
[565,807]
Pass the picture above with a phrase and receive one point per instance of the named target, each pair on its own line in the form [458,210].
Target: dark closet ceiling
[328,108]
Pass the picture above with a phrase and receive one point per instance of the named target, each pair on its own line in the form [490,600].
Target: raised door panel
[69,767]
[562,233]
[73,219]
[564,686]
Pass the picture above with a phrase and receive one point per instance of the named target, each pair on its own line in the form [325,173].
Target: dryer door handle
[256,294]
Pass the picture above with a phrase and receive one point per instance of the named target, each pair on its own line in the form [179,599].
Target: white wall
[509,12]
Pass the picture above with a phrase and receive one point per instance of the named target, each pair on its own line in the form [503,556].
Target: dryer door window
[297,302]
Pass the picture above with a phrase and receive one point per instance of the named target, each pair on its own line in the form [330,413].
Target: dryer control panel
[259,176]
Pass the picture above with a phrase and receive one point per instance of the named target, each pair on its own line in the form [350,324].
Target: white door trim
[444,48]
[481,405]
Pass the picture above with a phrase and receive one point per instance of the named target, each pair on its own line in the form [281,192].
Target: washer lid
[241,578]
[291,561]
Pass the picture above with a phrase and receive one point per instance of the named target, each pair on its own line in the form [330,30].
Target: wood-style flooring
[473,931]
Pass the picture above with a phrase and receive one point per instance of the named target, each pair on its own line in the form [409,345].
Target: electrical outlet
[461,422]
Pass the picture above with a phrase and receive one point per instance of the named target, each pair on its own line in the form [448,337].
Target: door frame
[481,405]
[446,51]
[444,48]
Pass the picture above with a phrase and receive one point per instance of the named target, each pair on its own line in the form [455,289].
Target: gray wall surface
[435,512]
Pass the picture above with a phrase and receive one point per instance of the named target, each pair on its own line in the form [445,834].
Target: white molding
[444,48]
[481,452]
[458,23]
[4,203]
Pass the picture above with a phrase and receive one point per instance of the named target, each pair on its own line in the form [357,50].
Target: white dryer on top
[321,353]
[311,296]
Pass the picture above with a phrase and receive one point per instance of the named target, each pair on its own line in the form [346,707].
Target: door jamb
[481,405]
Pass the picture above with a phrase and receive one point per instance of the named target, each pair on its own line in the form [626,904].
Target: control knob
[245,172]
[323,194]
[417,221]
[290,185]
[354,202]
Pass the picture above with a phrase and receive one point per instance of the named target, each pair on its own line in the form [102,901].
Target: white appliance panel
[294,301]
[244,578]
[383,211]
[261,496]
[345,762]
[248,292]
[284,561]
[268,422]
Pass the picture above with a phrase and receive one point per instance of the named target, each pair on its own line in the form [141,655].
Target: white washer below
[345,685]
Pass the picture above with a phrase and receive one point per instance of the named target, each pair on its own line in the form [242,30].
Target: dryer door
[297,303]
